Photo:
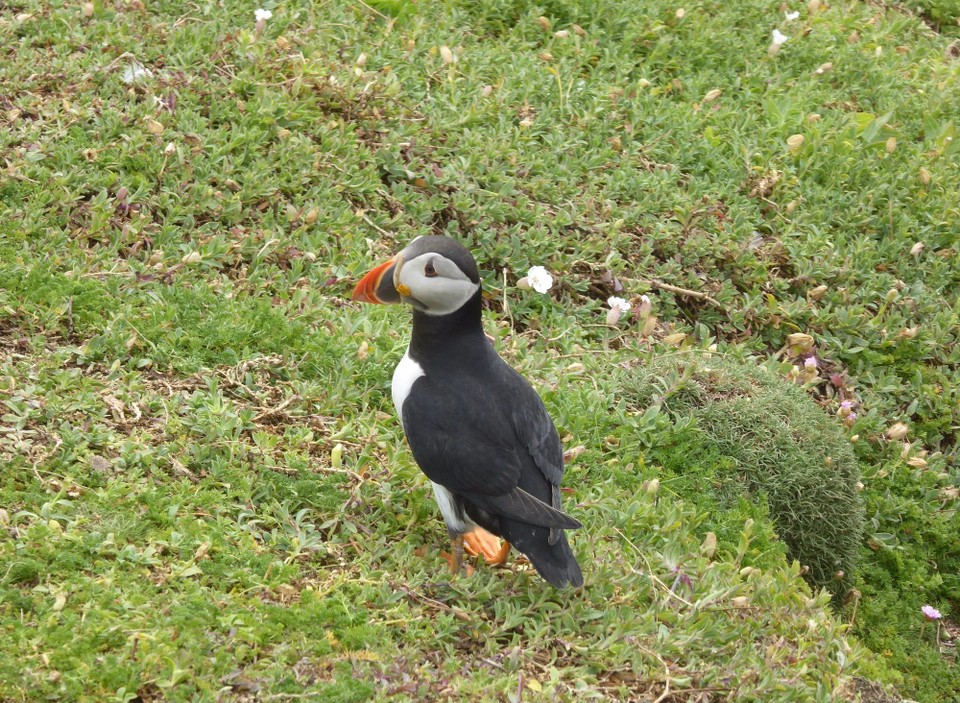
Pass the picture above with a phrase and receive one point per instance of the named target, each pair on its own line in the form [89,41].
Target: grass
[204,492]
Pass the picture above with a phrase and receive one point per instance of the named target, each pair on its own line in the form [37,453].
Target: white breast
[404,375]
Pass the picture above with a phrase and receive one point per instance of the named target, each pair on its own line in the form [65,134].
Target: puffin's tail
[554,562]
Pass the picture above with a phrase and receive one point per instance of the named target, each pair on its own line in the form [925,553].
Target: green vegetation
[941,15]
[203,491]
[757,436]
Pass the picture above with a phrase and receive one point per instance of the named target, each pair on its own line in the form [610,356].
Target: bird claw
[480,542]
[451,562]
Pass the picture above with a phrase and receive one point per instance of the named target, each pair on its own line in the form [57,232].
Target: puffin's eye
[429,271]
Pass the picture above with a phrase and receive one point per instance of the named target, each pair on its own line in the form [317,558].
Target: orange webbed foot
[492,548]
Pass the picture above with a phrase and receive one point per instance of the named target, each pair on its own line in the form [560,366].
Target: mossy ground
[204,492]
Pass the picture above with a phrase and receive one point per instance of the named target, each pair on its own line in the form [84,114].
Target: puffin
[476,427]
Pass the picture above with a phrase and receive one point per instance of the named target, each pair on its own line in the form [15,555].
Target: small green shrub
[775,444]
[941,13]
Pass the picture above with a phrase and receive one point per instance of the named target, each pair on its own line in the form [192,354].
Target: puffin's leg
[455,556]
[456,553]
[493,549]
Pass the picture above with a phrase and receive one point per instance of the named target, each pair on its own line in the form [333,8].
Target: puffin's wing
[461,441]
[469,445]
[520,505]
[536,430]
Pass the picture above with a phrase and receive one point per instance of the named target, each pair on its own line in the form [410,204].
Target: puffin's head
[436,275]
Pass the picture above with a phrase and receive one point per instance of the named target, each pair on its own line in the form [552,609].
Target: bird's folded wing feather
[481,443]
[462,446]
[535,429]
[520,505]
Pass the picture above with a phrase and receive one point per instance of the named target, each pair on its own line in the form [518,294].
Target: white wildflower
[779,38]
[136,71]
[540,279]
[618,306]
[791,16]
[615,302]
[262,15]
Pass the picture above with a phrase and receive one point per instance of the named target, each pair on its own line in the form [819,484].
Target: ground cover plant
[759,437]
[204,494]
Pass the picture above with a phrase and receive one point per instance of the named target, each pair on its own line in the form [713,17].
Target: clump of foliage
[940,15]
[777,444]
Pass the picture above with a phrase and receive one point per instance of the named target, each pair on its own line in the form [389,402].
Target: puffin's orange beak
[377,286]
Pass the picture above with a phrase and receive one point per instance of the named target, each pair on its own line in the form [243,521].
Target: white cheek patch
[440,294]
[447,295]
